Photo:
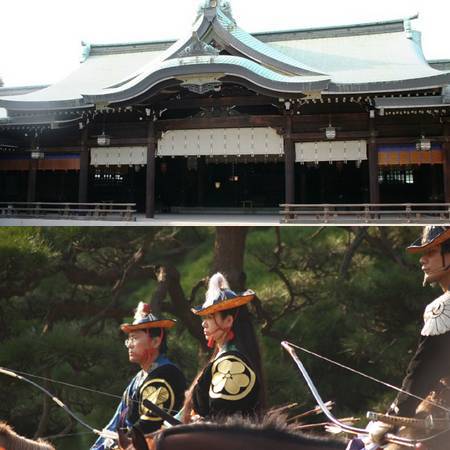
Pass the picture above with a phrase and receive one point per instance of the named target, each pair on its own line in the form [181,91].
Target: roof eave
[223,69]
[413,84]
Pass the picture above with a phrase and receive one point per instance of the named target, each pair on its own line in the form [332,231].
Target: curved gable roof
[333,60]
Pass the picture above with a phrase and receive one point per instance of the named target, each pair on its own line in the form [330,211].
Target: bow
[102,433]
[348,428]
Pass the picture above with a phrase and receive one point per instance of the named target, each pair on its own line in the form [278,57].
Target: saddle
[431,420]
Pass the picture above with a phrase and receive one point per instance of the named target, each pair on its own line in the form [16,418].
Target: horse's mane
[5,429]
[14,440]
[271,427]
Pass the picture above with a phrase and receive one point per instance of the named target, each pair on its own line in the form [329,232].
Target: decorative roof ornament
[408,26]
[446,94]
[223,5]
[198,48]
[85,51]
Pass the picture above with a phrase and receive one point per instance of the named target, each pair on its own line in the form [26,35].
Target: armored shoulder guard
[232,378]
[159,392]
[437,316]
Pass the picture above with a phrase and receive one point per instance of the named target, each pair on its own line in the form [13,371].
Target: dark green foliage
[347,293]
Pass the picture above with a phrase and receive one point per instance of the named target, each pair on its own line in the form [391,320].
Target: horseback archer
[160,381]
[429,370]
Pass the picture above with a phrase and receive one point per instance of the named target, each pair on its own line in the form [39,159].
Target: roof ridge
[347,29]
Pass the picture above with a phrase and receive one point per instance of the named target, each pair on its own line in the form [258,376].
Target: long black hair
[246,342]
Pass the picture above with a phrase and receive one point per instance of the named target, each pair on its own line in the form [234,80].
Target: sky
[40,40]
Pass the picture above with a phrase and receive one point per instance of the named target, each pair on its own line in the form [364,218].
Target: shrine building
[225,119]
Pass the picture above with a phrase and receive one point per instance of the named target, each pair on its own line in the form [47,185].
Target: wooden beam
[320,136]
[221,122]
[405,139]
[335,118]
[193,103]
[32,174]
[372,155]
[83,177]
[446,166]
[151,172]
[121,142]
[289,162]
[32,177]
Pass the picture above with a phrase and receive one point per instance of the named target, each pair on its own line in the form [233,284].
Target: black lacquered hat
[432,236]
[144,319]
[220,297]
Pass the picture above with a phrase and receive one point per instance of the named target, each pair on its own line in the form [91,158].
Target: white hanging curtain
[331,151]
[117,156]
[221,141]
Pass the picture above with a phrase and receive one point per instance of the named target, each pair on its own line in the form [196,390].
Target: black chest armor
[228,385]
[165,387]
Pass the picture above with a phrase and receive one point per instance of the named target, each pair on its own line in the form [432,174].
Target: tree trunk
[229,248]
[168,279]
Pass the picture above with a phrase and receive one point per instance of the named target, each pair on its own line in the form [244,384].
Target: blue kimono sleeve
[113,425]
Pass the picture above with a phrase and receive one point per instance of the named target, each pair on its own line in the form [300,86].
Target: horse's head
[10,440]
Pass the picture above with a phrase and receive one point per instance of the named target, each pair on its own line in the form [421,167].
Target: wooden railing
[366,213]
[89,211]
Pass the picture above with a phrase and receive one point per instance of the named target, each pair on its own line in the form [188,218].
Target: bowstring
[84,388]
[63,435]
[362,374]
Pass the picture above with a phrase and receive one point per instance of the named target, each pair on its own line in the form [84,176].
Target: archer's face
[434,265]
[139,345]
[216,327]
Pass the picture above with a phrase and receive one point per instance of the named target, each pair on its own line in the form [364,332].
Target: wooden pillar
[151,163]
[446,166]
[32,176]
[201,177]
[303,183]
[289,163]
[32,173]
[83,177]
[372,155]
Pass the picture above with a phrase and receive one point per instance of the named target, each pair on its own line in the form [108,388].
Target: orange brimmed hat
[144,319]
[432,236]
[219,297]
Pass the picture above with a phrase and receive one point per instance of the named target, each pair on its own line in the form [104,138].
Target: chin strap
[229,333]
[444,268]
[150,353]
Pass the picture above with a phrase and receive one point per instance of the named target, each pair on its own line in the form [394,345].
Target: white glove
[377,432]
[110,444]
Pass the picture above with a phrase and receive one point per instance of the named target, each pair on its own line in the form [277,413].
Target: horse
[234,433]
[10,440]
[430,421]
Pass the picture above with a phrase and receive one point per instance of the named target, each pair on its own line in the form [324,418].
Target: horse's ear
[125,442]
[139,441]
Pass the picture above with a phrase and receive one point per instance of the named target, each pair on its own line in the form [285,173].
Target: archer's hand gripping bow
[412,443]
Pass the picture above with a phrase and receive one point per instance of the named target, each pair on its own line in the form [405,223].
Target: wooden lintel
[335,118]
[320,136]
[193,103]
[221,122]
